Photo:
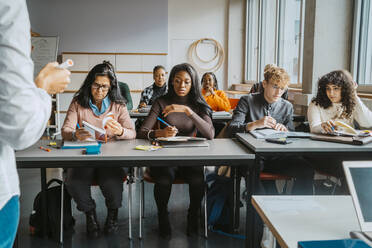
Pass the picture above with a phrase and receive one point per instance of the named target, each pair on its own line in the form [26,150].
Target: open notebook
[343,129]
[272,133]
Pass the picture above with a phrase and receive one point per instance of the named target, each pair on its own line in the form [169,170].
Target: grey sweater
[253,107]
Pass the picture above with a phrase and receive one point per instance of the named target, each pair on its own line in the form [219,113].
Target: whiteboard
[44,50]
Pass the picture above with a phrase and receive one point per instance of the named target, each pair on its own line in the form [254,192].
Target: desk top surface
[124,150]
[215,115]
[300,145]
[300,218]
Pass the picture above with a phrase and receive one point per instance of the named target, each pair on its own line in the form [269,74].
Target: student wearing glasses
[187,113]
[98,96]
[257,87]
[268,109]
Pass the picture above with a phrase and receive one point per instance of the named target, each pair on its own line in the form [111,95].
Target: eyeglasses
[276,87]
[100,86]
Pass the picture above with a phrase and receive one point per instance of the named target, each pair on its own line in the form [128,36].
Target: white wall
[192,20]
[103,26]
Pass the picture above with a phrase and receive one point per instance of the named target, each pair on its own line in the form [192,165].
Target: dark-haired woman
[97,97]
[185,109]
[336,100]
[215,98]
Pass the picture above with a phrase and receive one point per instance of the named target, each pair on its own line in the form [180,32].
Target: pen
[77,125]
[45,149]
[68,63]
[163,122]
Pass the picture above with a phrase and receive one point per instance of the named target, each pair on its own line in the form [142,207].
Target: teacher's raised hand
[53,79]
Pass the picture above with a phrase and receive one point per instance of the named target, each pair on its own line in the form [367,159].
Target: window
[362,45]
[274,36]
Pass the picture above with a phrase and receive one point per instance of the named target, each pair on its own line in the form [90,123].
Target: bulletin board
[44,50]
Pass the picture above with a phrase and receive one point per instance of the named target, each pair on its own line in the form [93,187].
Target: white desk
[299,218]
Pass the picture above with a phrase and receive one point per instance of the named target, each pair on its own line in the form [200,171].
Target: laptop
[359,179]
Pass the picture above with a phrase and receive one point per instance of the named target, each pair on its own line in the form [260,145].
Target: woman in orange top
[215,98]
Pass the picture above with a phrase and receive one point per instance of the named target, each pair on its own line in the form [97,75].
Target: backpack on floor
[219,207]
[53,212]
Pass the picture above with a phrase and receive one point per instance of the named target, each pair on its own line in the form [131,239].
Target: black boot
[111,225]
[92,224]
[165,230]
[192,223]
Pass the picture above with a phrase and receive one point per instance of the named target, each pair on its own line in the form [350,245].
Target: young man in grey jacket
[268,109]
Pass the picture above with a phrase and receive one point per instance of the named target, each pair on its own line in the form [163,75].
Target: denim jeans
[9,217]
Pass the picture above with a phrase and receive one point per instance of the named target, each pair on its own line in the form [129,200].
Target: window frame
[258,7]
[356,52]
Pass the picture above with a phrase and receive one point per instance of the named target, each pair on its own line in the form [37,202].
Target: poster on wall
[44,50]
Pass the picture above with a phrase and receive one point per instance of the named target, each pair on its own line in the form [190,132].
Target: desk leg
[236,200]
[44,200]
[250,182]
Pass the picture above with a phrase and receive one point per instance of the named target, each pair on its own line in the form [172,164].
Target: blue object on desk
[338,243]
[93,150]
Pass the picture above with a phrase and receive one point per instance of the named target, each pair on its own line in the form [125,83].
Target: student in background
[215,98]
[97,97]
[157,89]
[257,87]
[125,92]
[336,100]
[187,113]
[25,106]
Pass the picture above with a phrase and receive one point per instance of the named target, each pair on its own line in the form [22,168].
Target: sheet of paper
[291,206]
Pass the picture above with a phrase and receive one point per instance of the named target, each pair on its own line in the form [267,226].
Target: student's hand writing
[177,108]
[53,79]
[142,105]
[114,127]
[280,127]
[329,126]
[266,121]
[82,134]
[166,132]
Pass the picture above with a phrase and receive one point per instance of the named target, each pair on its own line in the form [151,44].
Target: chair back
[233,102]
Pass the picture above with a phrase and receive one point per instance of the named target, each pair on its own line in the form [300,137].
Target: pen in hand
[164,122]
[167,124]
